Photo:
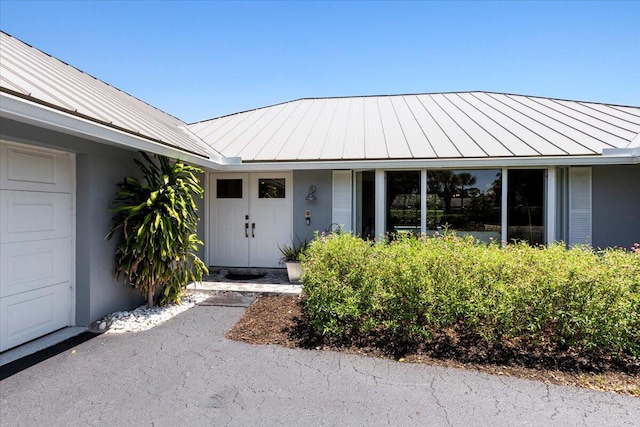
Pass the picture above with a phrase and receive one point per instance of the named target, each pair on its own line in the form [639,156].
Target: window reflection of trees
[271,188]
[464,200]
[403,195]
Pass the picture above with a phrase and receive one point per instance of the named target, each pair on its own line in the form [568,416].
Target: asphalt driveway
[184,372]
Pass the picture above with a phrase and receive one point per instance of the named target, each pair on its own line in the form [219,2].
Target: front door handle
[253,229]
[246,230]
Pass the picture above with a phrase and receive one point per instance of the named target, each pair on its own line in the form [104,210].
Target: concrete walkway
[273,280]
[184,372]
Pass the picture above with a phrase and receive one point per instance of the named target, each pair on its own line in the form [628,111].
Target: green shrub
[409,289]
[156,220]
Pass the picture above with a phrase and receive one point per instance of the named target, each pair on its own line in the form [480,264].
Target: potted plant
[291,258]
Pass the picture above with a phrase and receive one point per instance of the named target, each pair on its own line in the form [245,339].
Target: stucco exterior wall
[320,208]
[201,213]
[616,205]
[98,169]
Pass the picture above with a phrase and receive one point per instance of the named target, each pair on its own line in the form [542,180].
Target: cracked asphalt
[184,372]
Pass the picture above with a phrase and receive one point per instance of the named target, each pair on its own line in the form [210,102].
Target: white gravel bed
[143,318]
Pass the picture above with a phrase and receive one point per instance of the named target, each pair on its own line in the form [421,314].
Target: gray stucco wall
[320,208]
[616,205]
[201,212]
[98,169]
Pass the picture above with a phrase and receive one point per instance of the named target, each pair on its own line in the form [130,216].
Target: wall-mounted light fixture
[312,193]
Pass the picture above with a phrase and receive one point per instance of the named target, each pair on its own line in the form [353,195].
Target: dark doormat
[241,276]
[229,299]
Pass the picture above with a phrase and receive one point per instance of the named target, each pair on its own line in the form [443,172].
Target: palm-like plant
[158,218]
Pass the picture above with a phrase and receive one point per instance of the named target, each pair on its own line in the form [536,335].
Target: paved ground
[272,280]
[184,372]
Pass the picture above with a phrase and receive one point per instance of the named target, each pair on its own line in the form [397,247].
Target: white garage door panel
[34,170]
[28,216]
[32,314]
[27,266]
[36,242]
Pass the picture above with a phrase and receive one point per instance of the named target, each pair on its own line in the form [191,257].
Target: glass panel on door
[229,189]
[271,188]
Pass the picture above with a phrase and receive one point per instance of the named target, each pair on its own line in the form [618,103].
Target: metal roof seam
[592,107]
[461,127]
[34,84]
[245,130]
[478,124]
[438,124]
[184,128]
[248,142]
[596,115]
[275,132]
[563,123]
[94,120]
[390,95]
[210,129]
[293,131]
[384,136]
[519,122]
[404,98]
[346,133]
[215,129]
[315,122]
[584,114]
[500,125]
[117,101]
[404,134]
[80,71]
[617,107]
[16,87]
[332,124]
[54,71]
[95,98]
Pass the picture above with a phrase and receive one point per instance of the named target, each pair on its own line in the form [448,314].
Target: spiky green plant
[157,220]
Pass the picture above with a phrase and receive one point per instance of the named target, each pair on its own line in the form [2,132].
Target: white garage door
[36,286]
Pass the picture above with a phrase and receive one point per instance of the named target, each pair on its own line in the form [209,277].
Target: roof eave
[620,158]
[22,110]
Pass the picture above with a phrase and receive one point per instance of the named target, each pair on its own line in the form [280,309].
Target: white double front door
[250,215]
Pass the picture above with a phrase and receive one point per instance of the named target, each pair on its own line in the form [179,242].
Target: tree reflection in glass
[403,201]
[467,201]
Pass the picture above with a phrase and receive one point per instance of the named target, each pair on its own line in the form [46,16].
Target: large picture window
[525,207]
[403,202]
[468,201]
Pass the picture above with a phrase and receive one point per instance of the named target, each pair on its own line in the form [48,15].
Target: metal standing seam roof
[422,126]
[453,125]
[31,74]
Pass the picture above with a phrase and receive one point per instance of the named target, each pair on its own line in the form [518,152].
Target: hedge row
[412,288]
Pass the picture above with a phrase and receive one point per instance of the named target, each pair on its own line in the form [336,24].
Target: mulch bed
[280,320]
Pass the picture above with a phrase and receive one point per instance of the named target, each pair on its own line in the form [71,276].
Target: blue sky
[200,59]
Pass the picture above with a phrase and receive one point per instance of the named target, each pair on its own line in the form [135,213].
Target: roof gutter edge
[460,163]
[20,110]
[632,153]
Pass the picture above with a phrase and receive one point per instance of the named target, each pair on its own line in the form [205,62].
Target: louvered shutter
[341,207]
[580,205]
